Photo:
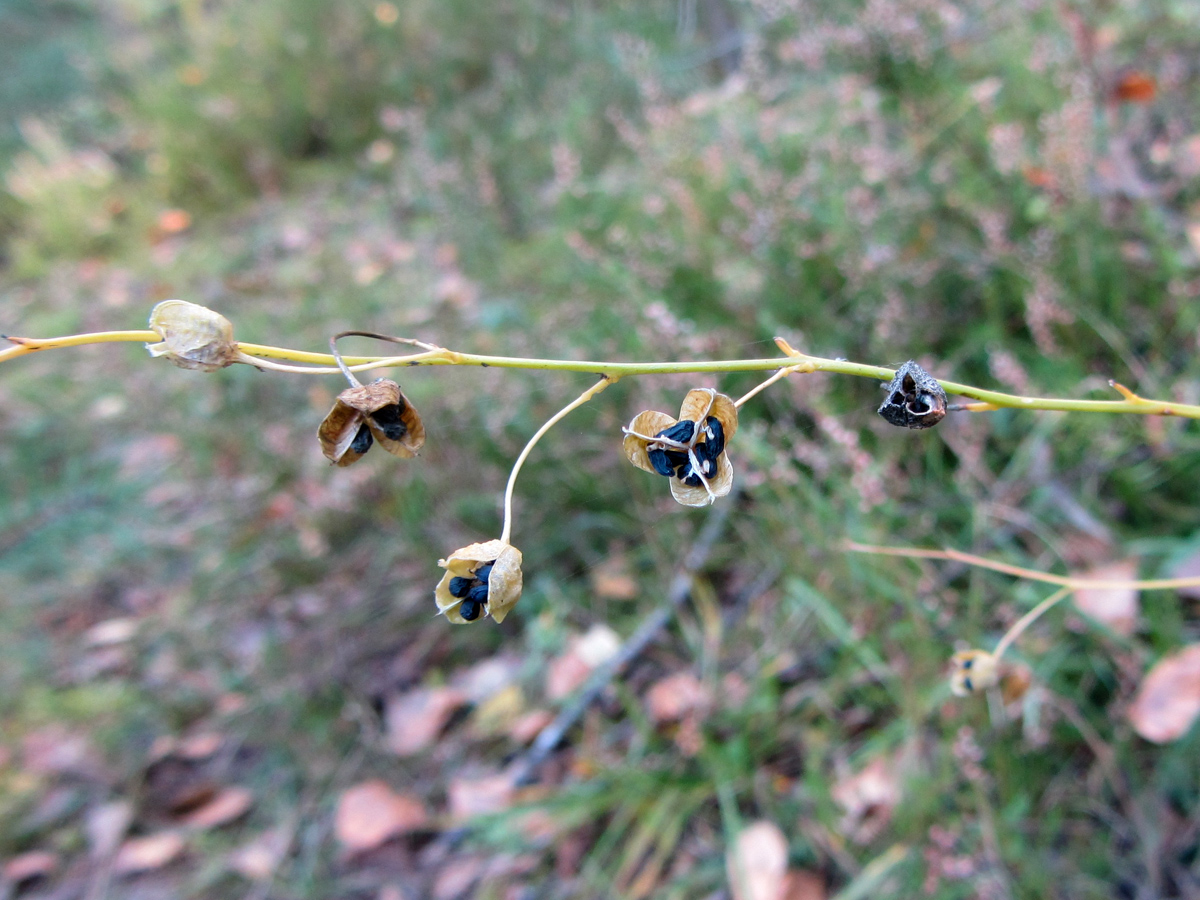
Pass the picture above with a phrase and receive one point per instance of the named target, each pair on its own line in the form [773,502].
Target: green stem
[988,400]
[583,398]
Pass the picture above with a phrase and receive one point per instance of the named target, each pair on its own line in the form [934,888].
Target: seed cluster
[472,591]
[915,399]
[686,455]
[389,421]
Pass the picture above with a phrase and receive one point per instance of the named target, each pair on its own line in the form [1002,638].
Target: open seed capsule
[389,421]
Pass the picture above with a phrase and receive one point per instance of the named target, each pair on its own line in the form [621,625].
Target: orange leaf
[371,813]
[1135,87]
[227,806]
[1168,700]
[145,854]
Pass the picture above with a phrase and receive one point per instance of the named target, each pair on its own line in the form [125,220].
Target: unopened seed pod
[193,336]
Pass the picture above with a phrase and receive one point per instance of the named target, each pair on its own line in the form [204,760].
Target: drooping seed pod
[707,420]
[914,399]
[361,406]
[502,584]
[972,671]
[193,336]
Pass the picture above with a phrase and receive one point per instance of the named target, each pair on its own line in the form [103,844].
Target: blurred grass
[877,181]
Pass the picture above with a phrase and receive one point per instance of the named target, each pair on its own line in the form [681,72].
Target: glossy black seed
[389,422]
[967,663]
[968,685]
[484,571]
[678,462]
[459,587]
[692,480]
[660,461]
[716,436]
[470,609]
[479,593]
[680,431]
[362,441]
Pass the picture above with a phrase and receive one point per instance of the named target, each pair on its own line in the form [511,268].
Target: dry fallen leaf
[416,718]
[371,813]
[479,796]
[673,697]
[868,798]
[800,884]
[526,728]
[199,746]
[27,866]
[228,805]
[145,854]
[1135,87]
[1168,700]
[259,859]
[611,579]
[1116,607]
[757,862]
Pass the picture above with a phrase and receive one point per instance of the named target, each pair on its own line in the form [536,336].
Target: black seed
[680,431]
[362,441]
[484,571]
[967,663]
[692,480]
[470,609]
[459,586]
[716,436]
[967,684]
[659,460]
[389,422]
[479,593]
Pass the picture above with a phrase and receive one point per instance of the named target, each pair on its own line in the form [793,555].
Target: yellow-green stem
[583,398]
[1026,620]
[323,364]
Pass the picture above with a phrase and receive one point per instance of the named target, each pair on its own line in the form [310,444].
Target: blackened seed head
[484,571]
[680,431]
[920,404]
[459,587]
[470,609]
[659,460]
[362,440]
[897,399]
[389,422]
[716,436]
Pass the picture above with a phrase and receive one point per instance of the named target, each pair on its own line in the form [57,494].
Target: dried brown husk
[193,336]
[972,671]
[698,405]
[504,583]
[354,406]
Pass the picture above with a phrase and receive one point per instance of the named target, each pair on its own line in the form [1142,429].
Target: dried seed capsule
[479,593]
[389,421]
[915,399]
[470,610]
[485,571]
[661,462]
[716,436]
[362,440]
[681,432]
[459,587]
